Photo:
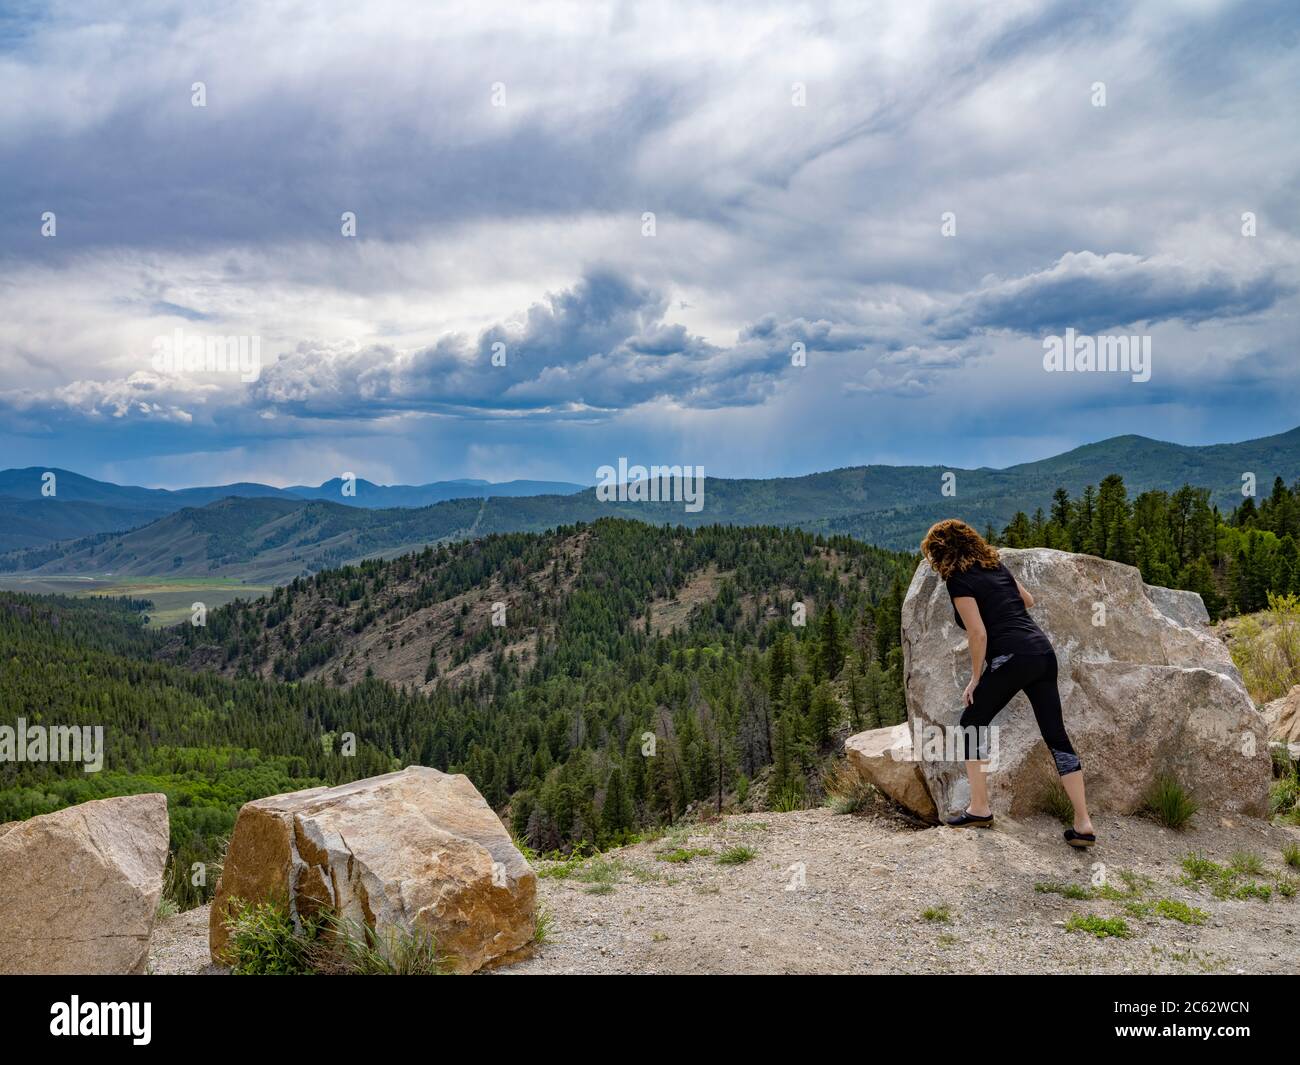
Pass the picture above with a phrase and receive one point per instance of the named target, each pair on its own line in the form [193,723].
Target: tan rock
[1145,689]
[418,850]
[883,757]
[79,888]
[1282,716]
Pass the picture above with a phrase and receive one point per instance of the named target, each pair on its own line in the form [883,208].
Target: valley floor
[868,880]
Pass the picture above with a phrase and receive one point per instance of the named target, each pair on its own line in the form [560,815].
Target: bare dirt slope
[866,885]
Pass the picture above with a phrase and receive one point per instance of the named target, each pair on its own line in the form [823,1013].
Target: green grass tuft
[1180,911]
[681,855]
[1056,803]
[737,855]
[1101,927]
[1168,803]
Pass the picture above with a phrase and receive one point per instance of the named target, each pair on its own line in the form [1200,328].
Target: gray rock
[1185,608]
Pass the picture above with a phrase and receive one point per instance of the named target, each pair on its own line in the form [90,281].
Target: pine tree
[616,815]
[830,649]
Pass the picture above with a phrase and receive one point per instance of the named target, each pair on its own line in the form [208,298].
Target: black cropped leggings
[1035,675]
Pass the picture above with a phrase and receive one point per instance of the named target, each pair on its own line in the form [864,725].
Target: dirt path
[866,884]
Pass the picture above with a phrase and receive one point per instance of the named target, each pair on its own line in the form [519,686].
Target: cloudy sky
[646,210]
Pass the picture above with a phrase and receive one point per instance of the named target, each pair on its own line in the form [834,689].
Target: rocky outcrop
[883,757]
[1144,692]
[414,851]
[1282,716]
[79,888]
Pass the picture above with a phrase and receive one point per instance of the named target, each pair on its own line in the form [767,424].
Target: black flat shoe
[1080,840]
[969,820]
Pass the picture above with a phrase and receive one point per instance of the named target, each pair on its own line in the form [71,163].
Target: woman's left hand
[968,696]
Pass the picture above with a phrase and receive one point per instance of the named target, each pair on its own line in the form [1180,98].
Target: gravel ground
[179,946]
[848,894]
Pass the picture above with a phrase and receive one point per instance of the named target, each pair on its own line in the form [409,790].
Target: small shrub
[263,941]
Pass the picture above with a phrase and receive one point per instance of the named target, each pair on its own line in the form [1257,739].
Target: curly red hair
[951,546]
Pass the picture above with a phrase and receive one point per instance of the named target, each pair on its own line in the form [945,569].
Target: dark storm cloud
[781,230]
[1092,293]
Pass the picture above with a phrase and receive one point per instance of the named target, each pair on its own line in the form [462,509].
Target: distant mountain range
[261,534]
[82,506]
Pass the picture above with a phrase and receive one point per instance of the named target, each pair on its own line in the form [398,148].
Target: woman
[992,606]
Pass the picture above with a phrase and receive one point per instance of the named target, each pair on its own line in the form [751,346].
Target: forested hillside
[1178,539]
[691,637]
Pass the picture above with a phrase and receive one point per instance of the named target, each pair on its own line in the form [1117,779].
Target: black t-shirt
[1010,628]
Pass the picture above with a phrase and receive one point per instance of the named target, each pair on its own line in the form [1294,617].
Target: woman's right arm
[976,636]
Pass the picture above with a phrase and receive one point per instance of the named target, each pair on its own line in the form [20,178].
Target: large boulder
[79,888]
[883,757]
[1146,689]
[414,851]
